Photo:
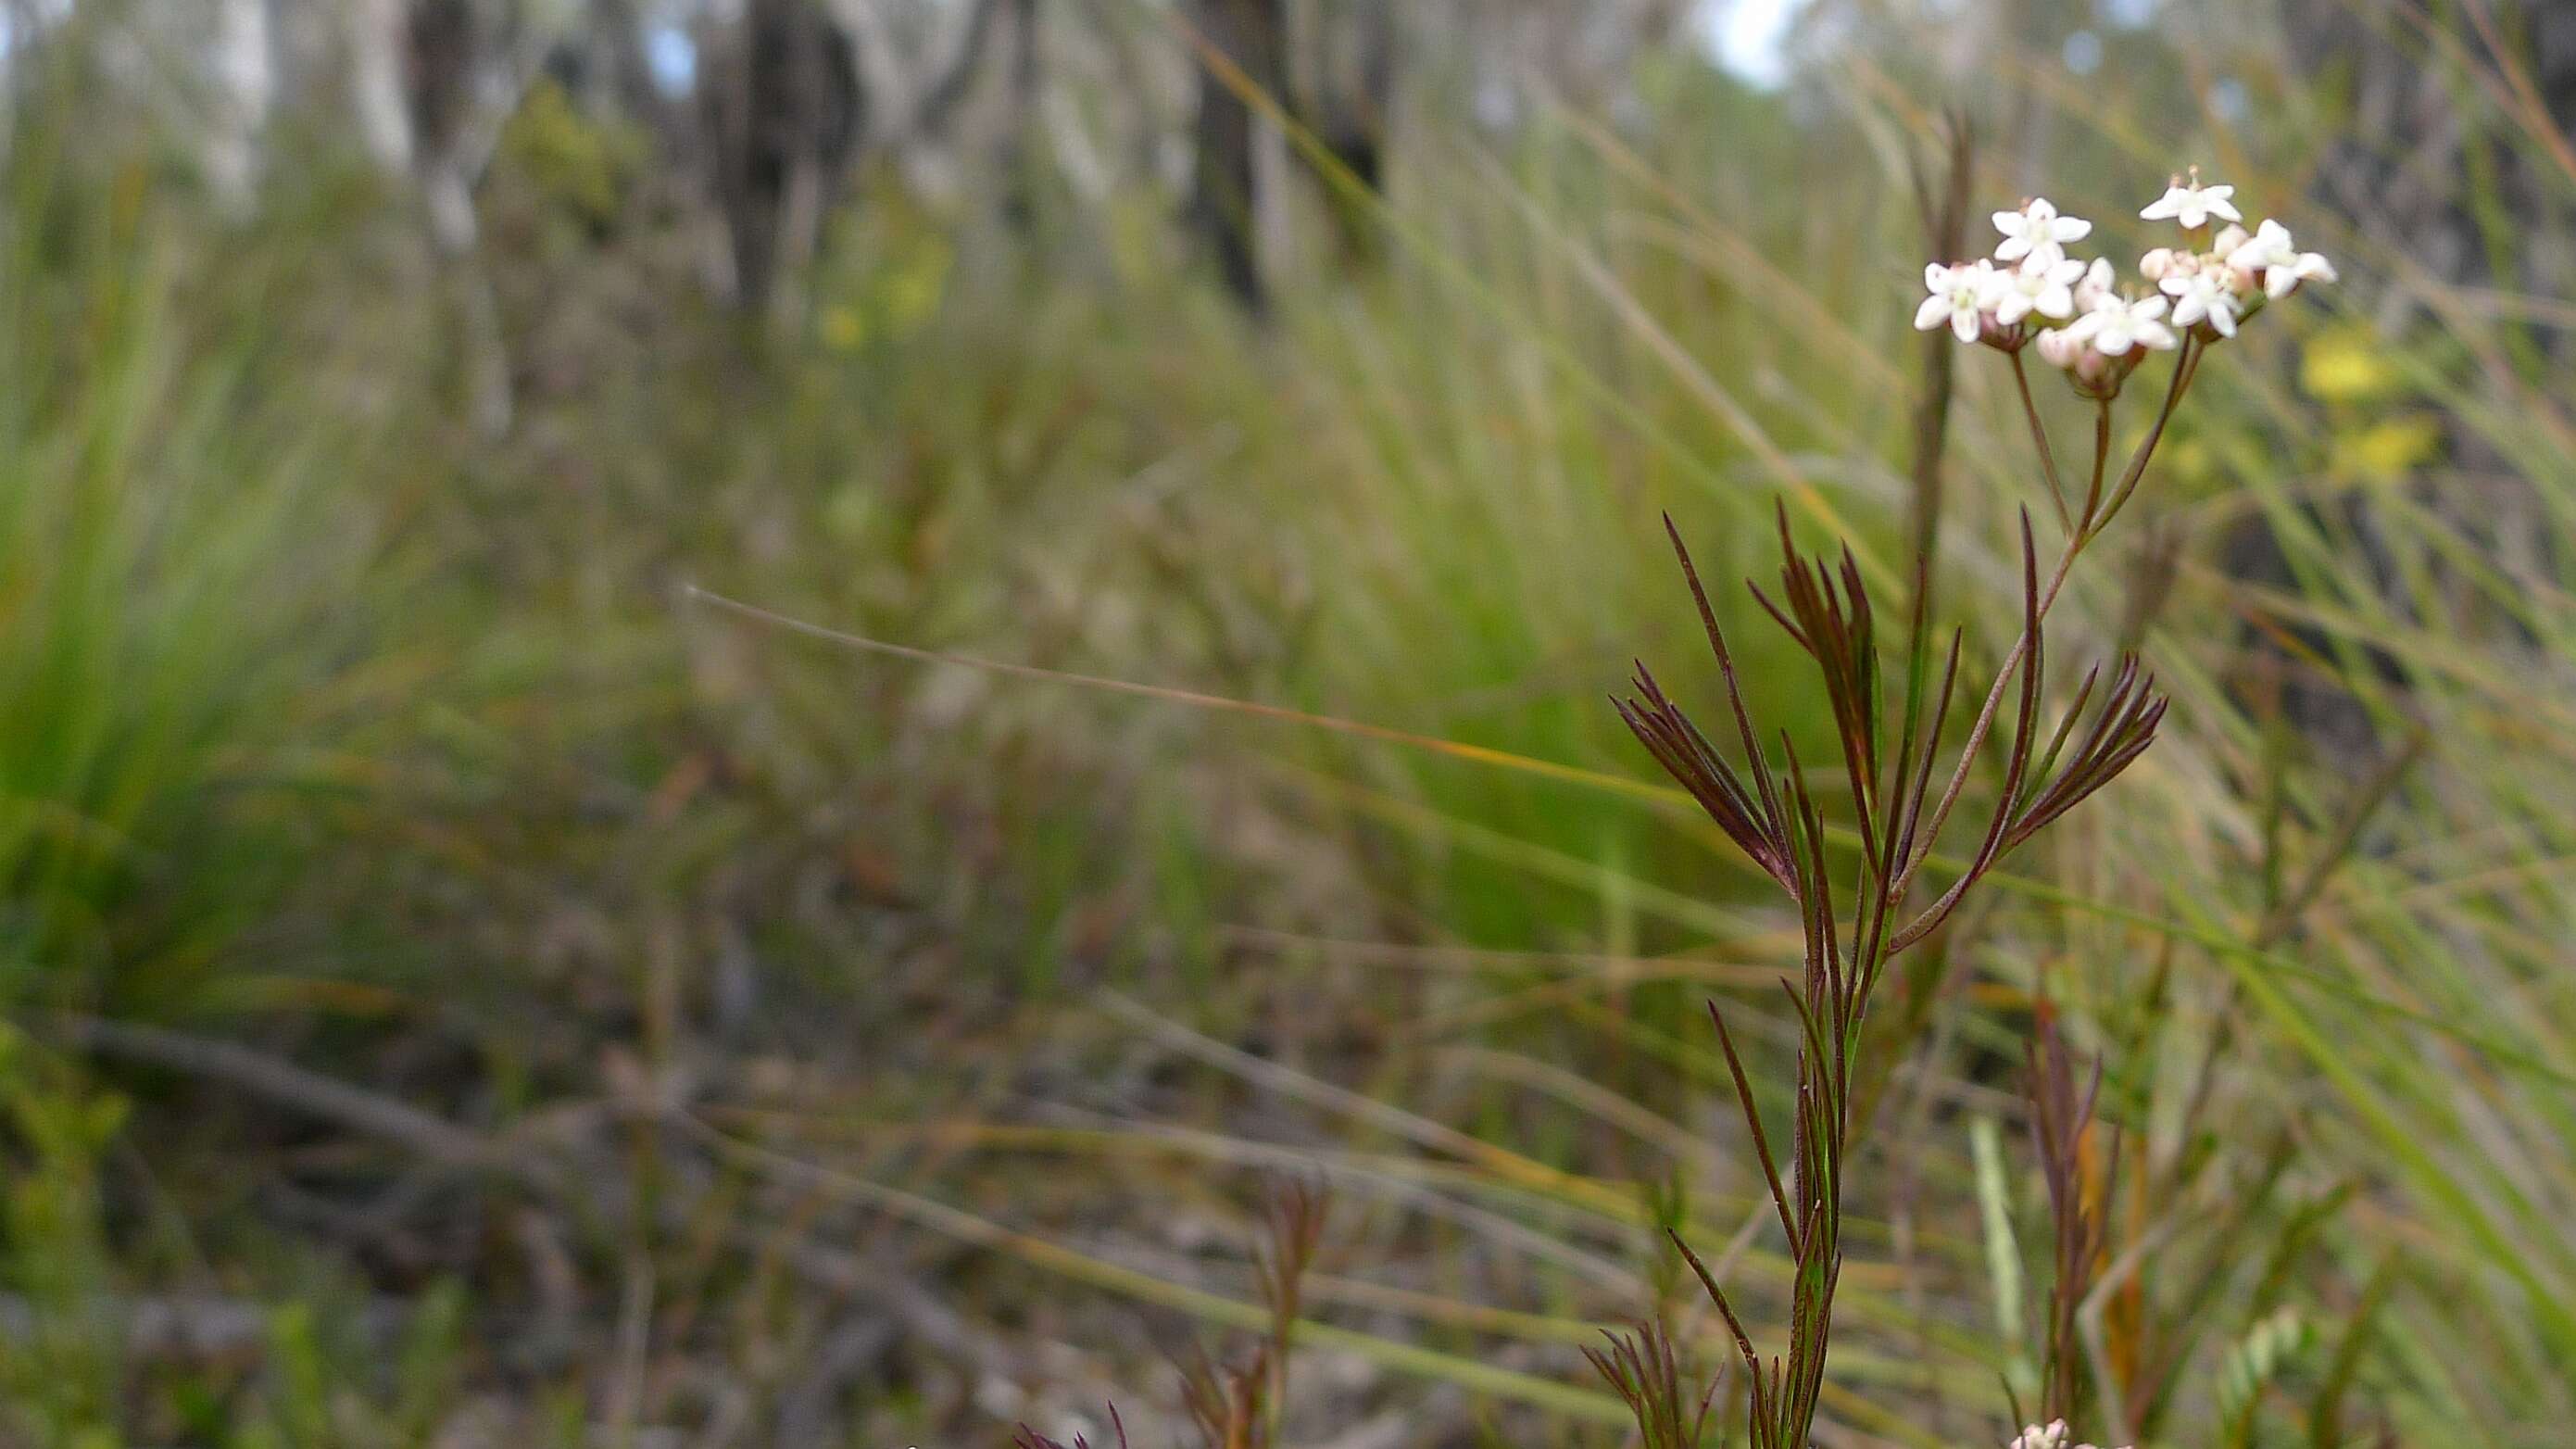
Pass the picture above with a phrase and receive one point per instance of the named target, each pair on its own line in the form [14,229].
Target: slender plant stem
[2184,366]
[2184,370]
[2101,456]
[2039,437]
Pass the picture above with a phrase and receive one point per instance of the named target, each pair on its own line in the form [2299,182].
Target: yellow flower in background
[889,300]
[2188,461]
[843,328]
[913,286]
[2347,364]
[2390,448]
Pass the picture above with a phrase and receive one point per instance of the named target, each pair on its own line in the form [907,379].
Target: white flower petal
[1931,314]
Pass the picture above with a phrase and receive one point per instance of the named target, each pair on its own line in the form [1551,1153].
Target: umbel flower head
[2082,320]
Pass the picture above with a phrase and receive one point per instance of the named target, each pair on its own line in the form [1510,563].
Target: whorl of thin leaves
[1774,816]
[1645,1370]
[1893,746]
[2061,1122]
[1234,1407]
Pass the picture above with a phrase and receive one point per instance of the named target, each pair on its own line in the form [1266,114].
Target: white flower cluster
[2050,1436]
[2007,301]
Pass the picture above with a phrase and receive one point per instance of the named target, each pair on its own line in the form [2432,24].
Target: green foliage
[338,732]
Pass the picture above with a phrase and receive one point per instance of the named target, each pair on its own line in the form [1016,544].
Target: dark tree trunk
[442,41]
[783,119]
[445,47]
[617,59]
[1224,197]
[1347,101]
[1019,157]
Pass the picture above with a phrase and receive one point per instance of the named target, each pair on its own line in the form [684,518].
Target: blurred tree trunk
[245,74]
[784,112]
[442,55]
[792,98]
[931,116]
[448,141]
[378,63]
[1224,191]
[1018,155]
[617,61]
[1345,100]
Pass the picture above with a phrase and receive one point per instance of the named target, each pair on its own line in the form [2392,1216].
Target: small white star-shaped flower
[2283,266]
[2038,233]
[2203,294]
[2048,291]
[2096,284]
[2114,326]
[2193,204]
[1960,297]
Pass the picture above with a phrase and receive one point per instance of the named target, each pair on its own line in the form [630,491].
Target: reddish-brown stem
[2184,370]
[2091,528]
[2039,437]
[2101,455]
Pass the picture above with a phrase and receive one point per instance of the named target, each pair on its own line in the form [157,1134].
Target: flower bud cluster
[2203,289]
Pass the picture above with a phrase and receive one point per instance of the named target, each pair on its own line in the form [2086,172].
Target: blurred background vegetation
[468,983]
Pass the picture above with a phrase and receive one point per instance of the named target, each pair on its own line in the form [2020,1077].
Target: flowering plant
[2195,293]
[2029,296]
